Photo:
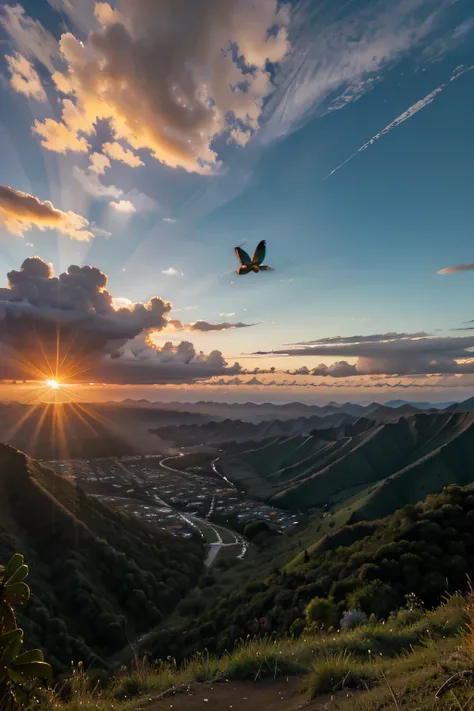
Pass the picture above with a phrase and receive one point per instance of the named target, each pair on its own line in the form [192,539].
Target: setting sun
[53,384]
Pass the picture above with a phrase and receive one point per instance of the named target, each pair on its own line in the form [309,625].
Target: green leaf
[34,670]
[16,593]
[15,562]
[8,637]
[20,574]
[33,655]
[13,650]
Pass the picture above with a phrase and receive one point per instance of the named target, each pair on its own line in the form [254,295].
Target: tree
[306,556]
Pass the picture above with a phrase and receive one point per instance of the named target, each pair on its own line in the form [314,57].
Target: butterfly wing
[242,255]
[260,252]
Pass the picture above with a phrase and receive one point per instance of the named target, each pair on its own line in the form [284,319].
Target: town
[180,502]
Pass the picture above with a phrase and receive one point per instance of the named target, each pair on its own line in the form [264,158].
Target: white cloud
[171,271]
[168,219]
[31,38]
[99,163]
[124,206]
[411,111]
[24,78]
[340,49]
[118,152]
[94,187]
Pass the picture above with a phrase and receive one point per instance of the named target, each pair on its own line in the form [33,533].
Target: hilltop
[99,577]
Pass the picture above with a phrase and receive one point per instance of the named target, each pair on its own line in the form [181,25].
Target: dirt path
[279,695]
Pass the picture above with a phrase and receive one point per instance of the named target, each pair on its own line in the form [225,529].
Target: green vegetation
[100,578]
[426,549]
[20,671]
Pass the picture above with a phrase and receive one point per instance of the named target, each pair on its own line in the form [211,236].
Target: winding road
[214,547]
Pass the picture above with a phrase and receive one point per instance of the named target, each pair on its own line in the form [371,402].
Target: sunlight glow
[53,384]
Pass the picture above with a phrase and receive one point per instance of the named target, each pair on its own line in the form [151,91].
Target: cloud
[98,163]
[400,356]
[99,232]
[118,152]
[175,112]
[24,78]
[124,206]
[340,49]
[337,340]
[168,219]
[205,326]
[31,38]
[19,212]
[458,268]
[411,111]
[74,322]
[171,271]
[92,185]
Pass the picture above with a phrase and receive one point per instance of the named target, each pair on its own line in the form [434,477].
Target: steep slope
[336,464]
[98,576]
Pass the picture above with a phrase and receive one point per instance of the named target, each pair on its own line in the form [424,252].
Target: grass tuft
[335,673]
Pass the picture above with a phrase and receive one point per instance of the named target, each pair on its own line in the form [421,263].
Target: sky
[142,141]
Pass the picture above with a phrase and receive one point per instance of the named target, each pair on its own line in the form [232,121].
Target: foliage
[410,559]
[19,671]
[99,577]
[352,618]
[338,672]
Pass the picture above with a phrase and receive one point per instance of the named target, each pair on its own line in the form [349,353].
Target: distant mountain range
[369,468]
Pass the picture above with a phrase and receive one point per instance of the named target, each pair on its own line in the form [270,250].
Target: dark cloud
[206,326]
[405,355]
[70,321]
[334,340]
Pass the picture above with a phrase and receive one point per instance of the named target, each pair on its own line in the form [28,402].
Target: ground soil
[279,695]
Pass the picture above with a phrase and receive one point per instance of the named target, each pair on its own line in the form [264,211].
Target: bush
[353,618]
[322,611]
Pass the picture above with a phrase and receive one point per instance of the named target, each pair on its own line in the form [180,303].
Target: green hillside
[394,463]
[426,550]
[98,576]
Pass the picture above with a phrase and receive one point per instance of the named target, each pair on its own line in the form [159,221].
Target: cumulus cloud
[73,323]
[398,356]
[458,268]
[98,163]
[213,77]
[24,79]
[171,271]
[117,152]
[19,212]
[124,206]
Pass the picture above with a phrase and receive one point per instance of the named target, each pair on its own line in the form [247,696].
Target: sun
[52,384]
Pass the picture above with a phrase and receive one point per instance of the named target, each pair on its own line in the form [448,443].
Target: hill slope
[97,575]
[385,465]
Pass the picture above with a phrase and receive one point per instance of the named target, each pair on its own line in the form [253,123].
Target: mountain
[375,468]
[98,577]
[422,405]
[238,431]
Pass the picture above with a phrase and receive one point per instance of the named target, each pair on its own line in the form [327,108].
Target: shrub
[322,611]
[352,618]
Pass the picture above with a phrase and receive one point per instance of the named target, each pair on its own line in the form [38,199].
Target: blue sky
[355,253]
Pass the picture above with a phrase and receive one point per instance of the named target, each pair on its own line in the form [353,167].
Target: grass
[338,672]
[408,658]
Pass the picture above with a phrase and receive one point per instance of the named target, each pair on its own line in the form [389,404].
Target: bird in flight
[255,264]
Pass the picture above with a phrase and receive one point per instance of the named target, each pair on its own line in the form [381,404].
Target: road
[214,547]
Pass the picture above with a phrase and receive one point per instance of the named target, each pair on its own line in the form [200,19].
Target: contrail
[411,111]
